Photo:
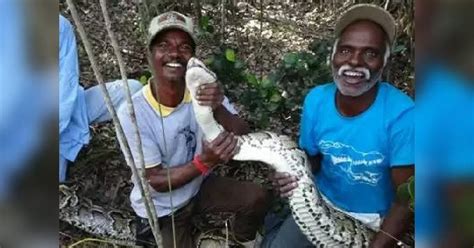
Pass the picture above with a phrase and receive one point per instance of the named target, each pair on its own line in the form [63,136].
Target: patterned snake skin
[322,225]
[116,226]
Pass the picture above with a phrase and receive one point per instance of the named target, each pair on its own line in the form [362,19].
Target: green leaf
[399,48]
[411,188]
[265,83]
[290,60]
[251,79]
[276,97]
[230,55]
[208,61]
[272,107]
[204,22]
[143,80]
[403,192]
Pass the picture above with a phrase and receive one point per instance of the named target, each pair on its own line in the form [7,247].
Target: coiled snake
[322,225]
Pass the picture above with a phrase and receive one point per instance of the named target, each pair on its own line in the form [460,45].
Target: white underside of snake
[323,225]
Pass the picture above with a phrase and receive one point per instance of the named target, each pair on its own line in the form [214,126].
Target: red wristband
[203,168]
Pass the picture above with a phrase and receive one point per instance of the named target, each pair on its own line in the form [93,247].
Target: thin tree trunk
[261,38]
[197,9]
[223,21]
[139,177]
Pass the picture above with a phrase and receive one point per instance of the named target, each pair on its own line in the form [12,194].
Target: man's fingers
[227,153]
[206,144]
[221,150]
[284,183]
[205,87]
[209,101]
[219,139]
[209,93]
[207,98]
[289,187]
[236,147]
[209,89]
[205,103]
[286,180]
[287,194]
[280,175]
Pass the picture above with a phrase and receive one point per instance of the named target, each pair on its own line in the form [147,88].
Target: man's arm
[397,221]
[68,73]
[213,95]
[158,176]
[230,122]
[220,149]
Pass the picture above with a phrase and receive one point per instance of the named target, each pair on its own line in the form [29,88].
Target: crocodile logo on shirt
[357,166]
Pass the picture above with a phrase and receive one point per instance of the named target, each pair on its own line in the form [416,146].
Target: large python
[323,225]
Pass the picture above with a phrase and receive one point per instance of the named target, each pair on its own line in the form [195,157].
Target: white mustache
[347,67]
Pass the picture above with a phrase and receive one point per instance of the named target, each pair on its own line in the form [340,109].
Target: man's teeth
[353,74]
[175,65]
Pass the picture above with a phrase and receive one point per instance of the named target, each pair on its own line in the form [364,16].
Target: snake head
[197,74]
[194,62]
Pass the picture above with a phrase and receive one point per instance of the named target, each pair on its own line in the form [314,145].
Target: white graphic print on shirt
[355,166]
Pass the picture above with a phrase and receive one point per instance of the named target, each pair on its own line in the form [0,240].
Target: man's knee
[258,199]
[288,234]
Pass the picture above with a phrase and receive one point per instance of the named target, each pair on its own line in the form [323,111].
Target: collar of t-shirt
[160,108]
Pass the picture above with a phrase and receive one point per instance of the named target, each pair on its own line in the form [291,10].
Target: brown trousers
[248,201]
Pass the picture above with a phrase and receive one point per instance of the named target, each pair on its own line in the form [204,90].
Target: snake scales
[116,226]
[323,225]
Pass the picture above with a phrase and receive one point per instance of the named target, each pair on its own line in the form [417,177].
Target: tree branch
[139,177]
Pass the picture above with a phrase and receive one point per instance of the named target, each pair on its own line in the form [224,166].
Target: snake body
[116,226]
[323,225]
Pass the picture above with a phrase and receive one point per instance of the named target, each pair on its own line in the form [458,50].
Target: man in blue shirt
[358,133]
[78,107]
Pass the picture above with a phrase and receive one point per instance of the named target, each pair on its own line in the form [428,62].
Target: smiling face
[171,51]
[359,57]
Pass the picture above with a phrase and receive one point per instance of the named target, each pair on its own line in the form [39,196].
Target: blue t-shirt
[444,145]
[358,152]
